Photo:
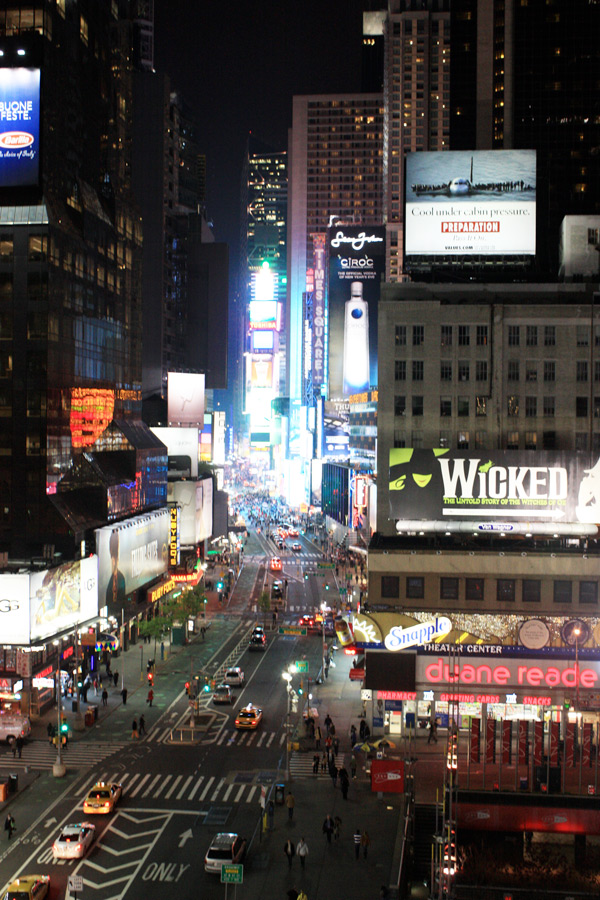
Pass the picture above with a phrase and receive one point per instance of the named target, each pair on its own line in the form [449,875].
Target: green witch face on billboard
[415,483]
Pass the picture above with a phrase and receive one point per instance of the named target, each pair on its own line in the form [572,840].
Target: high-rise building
[74,452]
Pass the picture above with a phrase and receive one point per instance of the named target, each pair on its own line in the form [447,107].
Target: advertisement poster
[19,127]
[336,428]
[470,202]
[63,597]
[356,268]
[131,555]
[185,398]
[14,609]
[504,485]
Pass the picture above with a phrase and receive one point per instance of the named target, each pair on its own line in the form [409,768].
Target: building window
[481,406]
[581,440]
[444,439]
[549,440]
[482,335]
[399,438]
[597,371]
[37,250]
[505,590]
[417,405]
[445,370]
[512,440]
[400,335]
[462,406]
[563,591]
[597,407]
[399,405]
[512,405]
[464,335]
[417,370]
[418,335]
[531,336]
[530,371]
[581,407]
[446,338]
[448,588]
[531,440]
[462,440]
[390,587]
[513,370]
[445,406]
[549,371]
[588,592]
[514,335]
[582,336]
[549,406]
[549,335]
[481,370]
[474,588]
[415,587]
[480,440]
[530,407]
[400,370]
[464,370]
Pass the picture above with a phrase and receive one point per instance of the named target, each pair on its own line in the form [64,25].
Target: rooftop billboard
[185,398]
[19,127]
[470,202]
[506,485]
[130,555]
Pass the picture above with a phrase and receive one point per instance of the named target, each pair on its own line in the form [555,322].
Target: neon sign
[399,638]
[469,698]
[396,695]
[91,413]
[533,676]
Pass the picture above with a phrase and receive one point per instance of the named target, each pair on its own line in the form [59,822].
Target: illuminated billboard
[356,268]
[264,314]
[63,597]
[19,127]
[185,403]
[470,202]
[263,340]
[336,428]
[91,413]
[131,554]
[509,486]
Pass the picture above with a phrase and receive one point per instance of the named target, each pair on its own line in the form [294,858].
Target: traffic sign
[291,629]
[301,665]
[232,873]
[75,884]
[323,565]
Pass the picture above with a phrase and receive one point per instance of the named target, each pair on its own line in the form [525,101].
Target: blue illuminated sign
[19,127]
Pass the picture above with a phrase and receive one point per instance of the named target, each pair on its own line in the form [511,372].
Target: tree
[158,625]
[264,604]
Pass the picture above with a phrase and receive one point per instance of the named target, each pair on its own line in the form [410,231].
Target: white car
[222,694]
[234,677]
[74,841]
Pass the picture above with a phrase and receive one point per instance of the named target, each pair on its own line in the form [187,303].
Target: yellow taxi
[28,887]
[102,797]
[248,717]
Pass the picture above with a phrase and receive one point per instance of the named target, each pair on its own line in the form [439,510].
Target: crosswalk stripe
[151,785]
[153,734]
[185,787]
[196,786]
[251,793]
[162,787]
[133,781]
[207,788]
[222,738]
[238,796]
[261,739]
[220,785]
[135,792]
[173,787]
[271,736]
[225,796]
[165,734]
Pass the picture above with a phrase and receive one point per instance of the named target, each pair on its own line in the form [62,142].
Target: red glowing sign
[470,698]
[47,671]
[537,701]
[66,653]
[396,695]
[387,775]
[440,672]
[91,413]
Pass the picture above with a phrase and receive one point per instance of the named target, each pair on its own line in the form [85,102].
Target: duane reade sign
[441,484]
[423,633]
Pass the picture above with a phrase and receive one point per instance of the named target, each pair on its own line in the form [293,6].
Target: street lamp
[288,679]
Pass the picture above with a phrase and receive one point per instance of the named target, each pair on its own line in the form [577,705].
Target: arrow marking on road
[185,836]
[50,822]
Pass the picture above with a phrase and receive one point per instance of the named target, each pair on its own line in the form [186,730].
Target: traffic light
[150,679]
[326,587]
[220,586]
[206,687]
[64,727]
[187,688]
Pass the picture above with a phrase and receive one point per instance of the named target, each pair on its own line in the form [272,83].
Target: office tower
[74,452]
[336,174]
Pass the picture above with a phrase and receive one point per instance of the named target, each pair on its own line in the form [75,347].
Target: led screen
[263,314]
[470,202]
[262,340]
[131,555]
[63,597]
[19,127]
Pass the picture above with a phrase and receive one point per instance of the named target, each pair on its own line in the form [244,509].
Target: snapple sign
[439,672]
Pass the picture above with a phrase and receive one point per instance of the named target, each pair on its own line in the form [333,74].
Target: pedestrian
[316,761]
[328,827]
[271,815]
[19,742]
[116,678]
[344,784]
[13,747]
[124,696]
[336,746]
[361,729]
[134,730]
[365,843]
[150,697]
[332,730]
[367,732]
[357,840]
[302,896]
[104,697]
[302,851]
[142,725]
[9,825]
[353,766]
[432,729]
[352,735]
[337,827]
[328,723]
[95,687]
[317,738]
[203,632]
[324,763]
[333,772]
[290,852]
[290,802]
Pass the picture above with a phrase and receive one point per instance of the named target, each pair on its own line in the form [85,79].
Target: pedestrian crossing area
[185,788]
[301,765]
[227,737]
[76,755]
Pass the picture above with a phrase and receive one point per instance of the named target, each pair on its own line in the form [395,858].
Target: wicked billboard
[356,267]
[510,485]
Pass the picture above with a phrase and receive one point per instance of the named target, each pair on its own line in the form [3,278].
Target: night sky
[239,64]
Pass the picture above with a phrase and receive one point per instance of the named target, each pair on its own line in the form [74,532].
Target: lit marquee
[91,413]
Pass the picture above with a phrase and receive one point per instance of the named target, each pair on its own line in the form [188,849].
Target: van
[12,726]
